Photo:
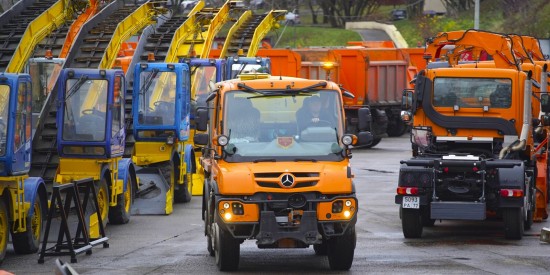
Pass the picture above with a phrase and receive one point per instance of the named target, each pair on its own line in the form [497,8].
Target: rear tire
[227,250]
[411,221]
[120,213]
[4,230]
[29,241]
[182,192]
[397,129]
[426,220]
[529,216]
[513,223]
[374,142]
[341,249]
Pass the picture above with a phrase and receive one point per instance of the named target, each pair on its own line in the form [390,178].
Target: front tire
[411,221]
[321,249]
[29,241]
[341,249]
[227,250]
[120,213]
[513,223]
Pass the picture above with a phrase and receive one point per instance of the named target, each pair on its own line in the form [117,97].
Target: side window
[117,110]
[28,110]
[20,111]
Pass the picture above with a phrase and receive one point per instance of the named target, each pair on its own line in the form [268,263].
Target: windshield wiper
[289,92]
[76,86]
[264,160]
[304,159]
[195,68]
[248,89]
[148,81]
[241,70]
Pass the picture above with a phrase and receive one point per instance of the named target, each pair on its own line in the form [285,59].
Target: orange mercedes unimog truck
[277,167]
[474,151]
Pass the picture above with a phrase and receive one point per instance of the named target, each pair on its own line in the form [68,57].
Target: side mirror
[364,138]
[545,102]
[200,139]
[407,100]
[201,120]
[365,119]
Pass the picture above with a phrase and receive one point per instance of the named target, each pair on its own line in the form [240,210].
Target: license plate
[411,202]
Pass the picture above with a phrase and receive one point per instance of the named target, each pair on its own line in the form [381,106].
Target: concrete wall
[390,30]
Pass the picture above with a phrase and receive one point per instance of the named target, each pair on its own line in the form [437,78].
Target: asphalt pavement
[175,244]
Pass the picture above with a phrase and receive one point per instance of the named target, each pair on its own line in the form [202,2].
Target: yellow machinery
[192,39]
[24,202]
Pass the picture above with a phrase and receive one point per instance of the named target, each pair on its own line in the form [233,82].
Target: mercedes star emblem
[287,180]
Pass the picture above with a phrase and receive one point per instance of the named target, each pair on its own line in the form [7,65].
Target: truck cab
[276,160]
[23,200]
[471,136]
[91,120]
[161,127]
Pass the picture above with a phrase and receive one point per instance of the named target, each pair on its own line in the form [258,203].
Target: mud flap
[154,196]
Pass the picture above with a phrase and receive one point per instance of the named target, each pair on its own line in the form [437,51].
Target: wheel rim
[128,197]
[36,221]
[102,202]
[3,230]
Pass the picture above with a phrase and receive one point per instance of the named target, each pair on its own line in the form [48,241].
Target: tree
[338,12]
[455,6]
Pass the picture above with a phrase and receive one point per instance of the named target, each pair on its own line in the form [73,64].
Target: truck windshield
[4,107]
[301,127]
[157,98]
[85,110]
[472,92]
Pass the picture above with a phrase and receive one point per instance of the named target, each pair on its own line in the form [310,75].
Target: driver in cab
[312,114]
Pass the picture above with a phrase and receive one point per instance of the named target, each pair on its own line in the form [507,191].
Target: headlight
[348,203]
[223,140]
[226,205]
[227,216]
[348,140]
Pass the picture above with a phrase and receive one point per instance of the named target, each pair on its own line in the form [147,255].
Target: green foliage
[416,30]
[301,36]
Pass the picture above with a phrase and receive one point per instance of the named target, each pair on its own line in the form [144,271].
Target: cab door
[22,127]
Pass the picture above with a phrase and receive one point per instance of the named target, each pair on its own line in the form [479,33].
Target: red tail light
[407,190]
[511,193]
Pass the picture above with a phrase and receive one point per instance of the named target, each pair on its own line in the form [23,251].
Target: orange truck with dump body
[277,170]
[375,73]
[478,135]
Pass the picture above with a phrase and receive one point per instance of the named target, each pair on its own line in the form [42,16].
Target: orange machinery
[375,73]
[273,179]
[475,151]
